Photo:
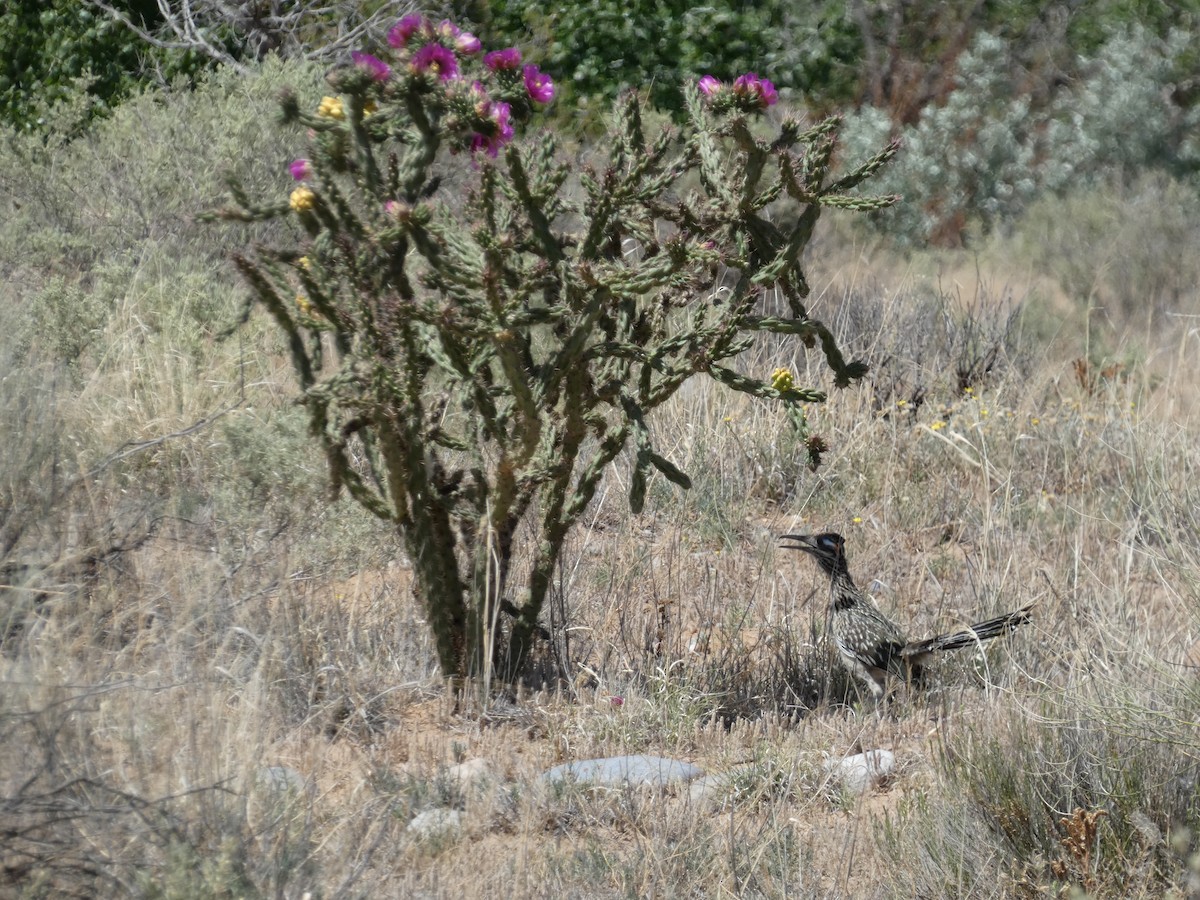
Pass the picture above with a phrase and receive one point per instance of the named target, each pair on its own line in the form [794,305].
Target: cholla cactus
[471,373]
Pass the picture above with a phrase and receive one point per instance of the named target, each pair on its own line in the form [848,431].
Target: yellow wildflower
[1035,421]
[303,263]
[331,108]
[937,426]
[369,108]
[303,304]
[303,199]
[781,379]
[857,520]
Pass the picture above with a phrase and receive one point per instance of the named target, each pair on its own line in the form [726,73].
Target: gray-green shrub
[983,155]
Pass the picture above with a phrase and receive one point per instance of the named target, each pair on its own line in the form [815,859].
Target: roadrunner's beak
[805,542]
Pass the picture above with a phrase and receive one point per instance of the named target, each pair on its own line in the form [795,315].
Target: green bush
[601,47]
[983,155]
[97,218]
[46,47]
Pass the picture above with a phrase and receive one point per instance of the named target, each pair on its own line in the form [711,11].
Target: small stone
[655,771]
[862,771]
[435,822]
[710,790]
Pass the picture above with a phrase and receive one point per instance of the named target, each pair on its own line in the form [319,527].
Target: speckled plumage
[870,644]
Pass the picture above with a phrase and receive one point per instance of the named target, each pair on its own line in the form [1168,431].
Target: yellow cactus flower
[369,108]
[303,199]
[781,379]
[331,108]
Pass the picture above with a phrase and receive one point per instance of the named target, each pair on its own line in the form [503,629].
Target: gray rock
[710,790]
[862,771]
[435,822]
[655,771]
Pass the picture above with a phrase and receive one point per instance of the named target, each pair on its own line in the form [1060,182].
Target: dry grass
[214,683]
[142,707]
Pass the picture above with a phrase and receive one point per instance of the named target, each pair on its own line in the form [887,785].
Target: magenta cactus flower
[538,84]
[395,209]
[467,44]
[462,41]
[710,86]
[767,92]
[500,60]
[372,65]
[759,91]
[500,114]
[300,169]
[437,59]
[401,33]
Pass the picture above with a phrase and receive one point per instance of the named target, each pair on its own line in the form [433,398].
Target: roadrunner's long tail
[971,637]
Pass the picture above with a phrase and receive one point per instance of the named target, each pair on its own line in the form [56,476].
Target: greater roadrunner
[869,642]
